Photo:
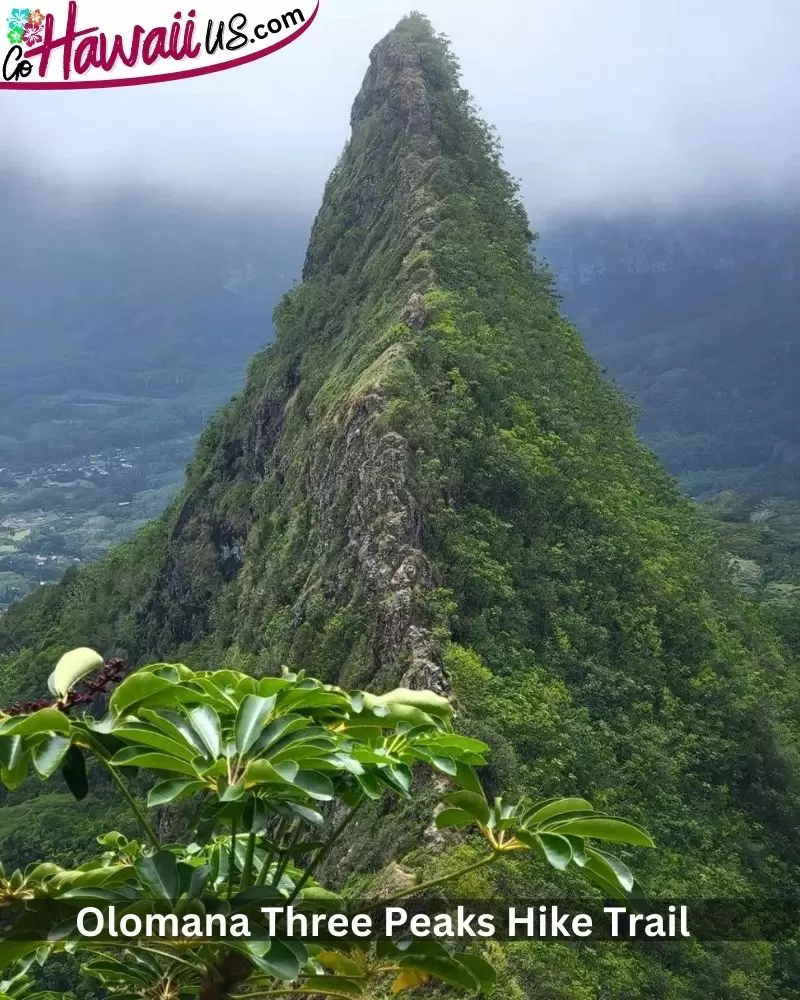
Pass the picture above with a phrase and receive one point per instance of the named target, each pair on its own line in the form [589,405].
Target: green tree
[259,760]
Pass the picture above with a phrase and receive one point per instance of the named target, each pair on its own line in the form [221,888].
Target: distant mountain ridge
[698,319]
[143,308]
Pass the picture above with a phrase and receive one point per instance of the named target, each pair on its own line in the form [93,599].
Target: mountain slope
[427,481]
[697,318]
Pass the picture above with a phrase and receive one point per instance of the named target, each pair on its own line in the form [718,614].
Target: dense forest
[428,482]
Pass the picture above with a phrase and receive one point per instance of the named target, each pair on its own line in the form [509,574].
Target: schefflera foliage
[276,769]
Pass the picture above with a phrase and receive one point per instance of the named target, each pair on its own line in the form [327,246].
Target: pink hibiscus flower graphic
[33,34]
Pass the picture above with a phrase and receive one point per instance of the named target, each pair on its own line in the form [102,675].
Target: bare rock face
[396,80]
[367,470]
[415,313]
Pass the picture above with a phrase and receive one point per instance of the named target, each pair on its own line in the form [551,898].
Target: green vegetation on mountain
[427,483]
[762,536]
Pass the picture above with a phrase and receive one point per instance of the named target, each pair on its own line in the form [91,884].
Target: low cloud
[601,106]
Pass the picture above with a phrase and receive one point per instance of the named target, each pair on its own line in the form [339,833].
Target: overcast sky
[601,104]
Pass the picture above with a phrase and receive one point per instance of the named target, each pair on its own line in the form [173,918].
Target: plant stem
[326,849]
[143,821]
[283,864]
[262,875]
[247,870]
[232,859]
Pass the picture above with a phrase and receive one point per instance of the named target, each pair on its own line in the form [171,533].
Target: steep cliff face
[427,479]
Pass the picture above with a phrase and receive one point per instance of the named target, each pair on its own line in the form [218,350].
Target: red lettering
[109,60]
[155,46]
[86,55]
[67,41]
[192,51]
[98,52]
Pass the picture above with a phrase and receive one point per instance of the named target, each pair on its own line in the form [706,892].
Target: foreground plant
[259,761]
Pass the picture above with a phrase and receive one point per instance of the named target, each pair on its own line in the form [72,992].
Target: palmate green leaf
[268,686]
[251,719]
[610,887]
[338,962]
[475,805]
[620,831]
[429,702]
[370,786]
[578,849]
[609,867]
[557,850]
[445,969]
[160,875]
[480,968]
[175,726]
[305,749]
[317,785]
[368,755]
[444,764]
[554,807]
[284,725]
[205,722]
[342,762]
[309,815]
[468,780]
[110,876]
[46,720]
[156,740]
[332,986]
[110,971]
[138,688]
[10,751]
[282,959]
[452,745]
[12,952]
[260,772]
[136,757]
[300,699]
[175,672]
[49,754]
[166,792]
[73,771]
[228,792]
[397,776]
[449,818]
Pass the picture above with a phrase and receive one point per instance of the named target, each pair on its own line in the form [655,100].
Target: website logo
[93,43]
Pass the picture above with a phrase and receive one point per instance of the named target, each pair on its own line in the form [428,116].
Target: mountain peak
[409,101]
[405,67]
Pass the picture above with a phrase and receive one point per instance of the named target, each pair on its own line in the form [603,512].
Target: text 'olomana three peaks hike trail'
[426,483]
